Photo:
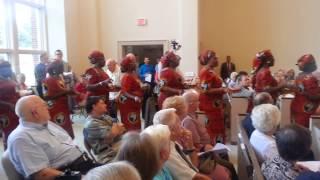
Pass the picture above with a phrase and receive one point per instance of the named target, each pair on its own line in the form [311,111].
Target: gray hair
[266,117]
[189,94]
[165,117]
[25,104]
[121,170]
[111,61]
[262,98]
[160,135]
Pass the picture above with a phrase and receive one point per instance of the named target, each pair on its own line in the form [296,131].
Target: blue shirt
[33,147]
[146,69]
[40,72]
[163,174]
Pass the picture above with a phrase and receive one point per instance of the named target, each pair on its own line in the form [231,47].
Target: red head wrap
[168,57]
[128,63]
[205,56]
[95,56]
[264,55]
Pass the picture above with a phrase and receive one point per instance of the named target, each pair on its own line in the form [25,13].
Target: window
[22,35]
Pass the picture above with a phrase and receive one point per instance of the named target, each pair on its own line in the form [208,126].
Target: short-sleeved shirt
[163,174]
[33,147]
[178,167]
[40,72]
[198,129]
[98,134]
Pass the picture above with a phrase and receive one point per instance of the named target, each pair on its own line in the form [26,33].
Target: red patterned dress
[94,76]
[263,79]
[58,108]
[129,108]
[212,104]
[170,78]
[302,107]
[8,119]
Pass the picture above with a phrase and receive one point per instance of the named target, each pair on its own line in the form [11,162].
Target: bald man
[40,149]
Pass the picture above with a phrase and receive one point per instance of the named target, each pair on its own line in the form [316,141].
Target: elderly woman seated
[160,135]
[100,133]
[266,119]
[293,143]
[183,160]
[140,151]
[121,170]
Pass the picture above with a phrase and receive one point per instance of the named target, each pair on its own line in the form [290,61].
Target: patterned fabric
[129,109]
[8,118]
[58,108]
[212,104]
[94,76]
[301,107]
[278,169]
[97,132]
[264,79]
[170,78]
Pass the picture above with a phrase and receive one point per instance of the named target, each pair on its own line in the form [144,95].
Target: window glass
[27,63]
[28,20]
[3,32]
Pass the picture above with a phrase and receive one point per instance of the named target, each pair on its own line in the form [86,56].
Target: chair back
[9,168]
[248,165]
[238,105]
[285,108]
[315,135]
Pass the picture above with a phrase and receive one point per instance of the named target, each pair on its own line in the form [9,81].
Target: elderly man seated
[40,149]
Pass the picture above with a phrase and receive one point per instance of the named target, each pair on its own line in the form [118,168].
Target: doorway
[141,49]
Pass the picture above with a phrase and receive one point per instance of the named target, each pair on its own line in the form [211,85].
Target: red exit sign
[141,21]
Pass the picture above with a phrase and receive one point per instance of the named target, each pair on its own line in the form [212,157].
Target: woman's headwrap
[55,68]
[128,63]
[96,56]
[308,63]
[205,56]
[264,56]
[168,57]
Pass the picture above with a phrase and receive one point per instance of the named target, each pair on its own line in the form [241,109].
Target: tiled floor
[78,127]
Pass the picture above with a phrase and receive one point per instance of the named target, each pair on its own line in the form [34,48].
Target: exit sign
[141,21]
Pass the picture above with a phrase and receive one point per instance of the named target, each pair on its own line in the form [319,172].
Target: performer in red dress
[211,101]
[131,94]
[171,82]
[98,79]
[8,98]
[307,91]
[263,81]
[56,95]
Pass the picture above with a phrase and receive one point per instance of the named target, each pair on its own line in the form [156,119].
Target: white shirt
[264,145]
[115,76]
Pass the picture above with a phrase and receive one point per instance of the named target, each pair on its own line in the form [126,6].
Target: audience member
[232,80]
[183,159]
[40,149]
[22,87]
[100,132]
[293,143]
[40,72]
[146,71]
[120,170]
[160,135]
[113,71]
[81,89]
[227,68]
[178,103]
[8,98]
[260,98]
[265,119]
[56,95]
[243,84]
[141,151]
[58,56]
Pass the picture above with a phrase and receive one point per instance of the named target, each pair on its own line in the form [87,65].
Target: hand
[186,139]
[300,168]
[106,82]
[117,129]
[137,99]
[207,147]
[227,90]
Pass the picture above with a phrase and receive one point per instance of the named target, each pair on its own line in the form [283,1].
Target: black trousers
[82,164]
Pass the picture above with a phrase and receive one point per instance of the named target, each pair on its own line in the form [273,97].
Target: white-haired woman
[121,170]
[160,135]
[266,119]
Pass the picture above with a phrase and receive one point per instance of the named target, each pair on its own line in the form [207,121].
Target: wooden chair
[239,105]
[314,126]
[285,108]
[248,165]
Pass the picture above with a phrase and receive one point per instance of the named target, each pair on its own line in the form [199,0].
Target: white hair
[189,94]
[111,61]
[160,135]
[25,104]
[265,117]
[121,170]
[165,117]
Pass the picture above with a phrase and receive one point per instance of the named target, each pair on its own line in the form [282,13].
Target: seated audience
[121,170]
[266,119]
[141,152]
[200,136]
[183,159]
[40,149]
[243,84]
[21,86]
[293,143]
[232,80]
[100,132]
[160,135]
[309,175]
[260,98]
[178,103]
